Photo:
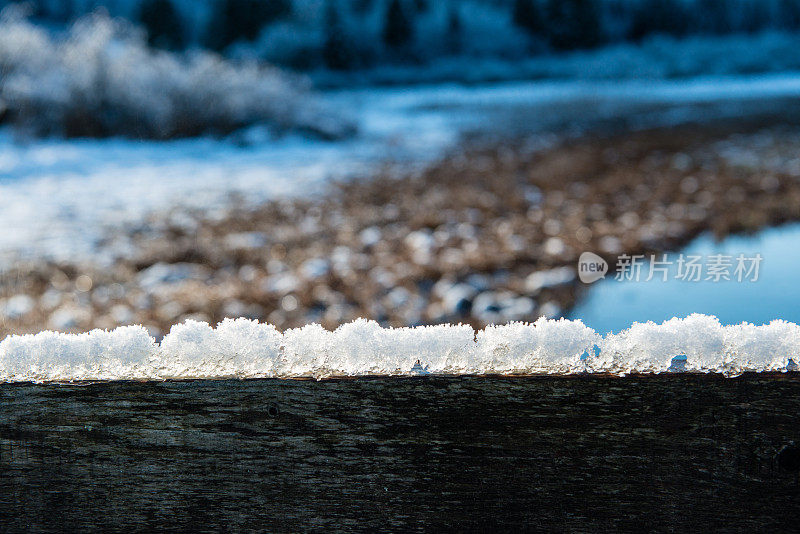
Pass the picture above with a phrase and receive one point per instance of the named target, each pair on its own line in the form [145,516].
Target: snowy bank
[243,348]
[63,198]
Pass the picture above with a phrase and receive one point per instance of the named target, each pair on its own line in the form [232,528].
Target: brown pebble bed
[489,235]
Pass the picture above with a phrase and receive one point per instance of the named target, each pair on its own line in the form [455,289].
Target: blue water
[611,305]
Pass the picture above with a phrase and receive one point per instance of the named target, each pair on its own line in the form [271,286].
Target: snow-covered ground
[59,198]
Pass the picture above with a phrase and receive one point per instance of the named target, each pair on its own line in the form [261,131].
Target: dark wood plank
[673,452]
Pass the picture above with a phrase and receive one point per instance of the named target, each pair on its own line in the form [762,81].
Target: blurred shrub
[102,79]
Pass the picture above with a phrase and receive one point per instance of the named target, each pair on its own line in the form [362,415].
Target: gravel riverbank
[491,234]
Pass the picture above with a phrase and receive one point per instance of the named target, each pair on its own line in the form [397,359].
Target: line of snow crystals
[248,349]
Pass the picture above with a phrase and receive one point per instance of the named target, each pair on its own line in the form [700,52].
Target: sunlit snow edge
[242,348]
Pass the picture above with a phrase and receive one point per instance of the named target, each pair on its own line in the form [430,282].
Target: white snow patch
[126,352]
[544,347]
[768,347]
[650,348]
[237,347]
[242,348]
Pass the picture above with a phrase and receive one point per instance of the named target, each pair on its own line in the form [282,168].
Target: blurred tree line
[345,34]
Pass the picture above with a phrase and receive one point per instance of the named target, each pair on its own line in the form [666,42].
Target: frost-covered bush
[101,79]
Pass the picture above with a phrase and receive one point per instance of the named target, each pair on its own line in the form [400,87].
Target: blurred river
[613,305]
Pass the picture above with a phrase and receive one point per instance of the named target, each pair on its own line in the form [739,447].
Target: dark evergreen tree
[527,14]
[712,16]
[162,23]
[588,25]
[454,29]
[756,17]
[789,12]
[666,17]
[421,6]
[243,20]
[397,30]
[361,6]
[336,52]
[573,24]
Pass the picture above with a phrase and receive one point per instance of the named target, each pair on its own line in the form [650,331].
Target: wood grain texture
[667,453]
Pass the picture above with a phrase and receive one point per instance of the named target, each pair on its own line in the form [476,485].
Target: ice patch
[242,348]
